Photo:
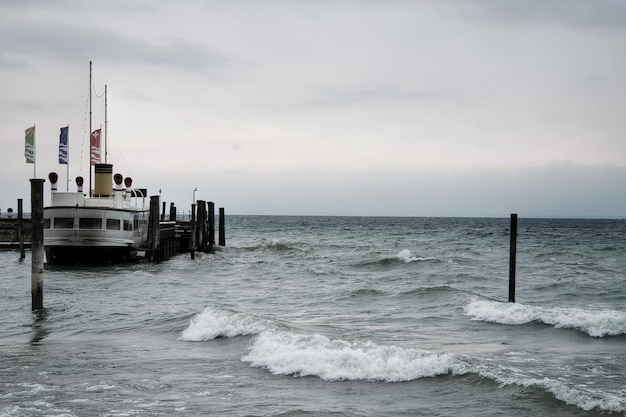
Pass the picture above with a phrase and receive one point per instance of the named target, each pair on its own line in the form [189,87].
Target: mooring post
[512,259]
[222,228]
[199,224]
[172,212]
[153,227]
[36,242]
[192,238]
[211,223]
[163,212]
[20,228]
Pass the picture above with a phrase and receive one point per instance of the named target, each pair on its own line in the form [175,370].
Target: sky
[326,107]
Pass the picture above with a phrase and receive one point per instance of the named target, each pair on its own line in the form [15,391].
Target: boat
[106,224]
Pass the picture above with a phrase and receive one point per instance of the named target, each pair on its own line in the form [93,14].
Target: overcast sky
[334,107]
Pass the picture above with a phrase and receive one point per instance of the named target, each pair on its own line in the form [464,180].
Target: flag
[29,150]
[95,147]
[63,146]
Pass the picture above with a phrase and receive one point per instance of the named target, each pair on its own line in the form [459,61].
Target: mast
[67,166]
[90,130]
[106,144]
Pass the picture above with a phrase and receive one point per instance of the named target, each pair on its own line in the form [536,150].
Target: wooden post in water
[211,224]
[163,212]
[36,242]
[222,228]
[20,227]
[512,259]
[153,229]
[172,212]
[192,238]
[200,225]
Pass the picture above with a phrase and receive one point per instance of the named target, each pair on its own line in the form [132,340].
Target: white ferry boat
[110,226]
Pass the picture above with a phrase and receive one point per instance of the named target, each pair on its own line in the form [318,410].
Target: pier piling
[20,228]
[222,228]
[153,230]
[172,212]
[211,223]
[512,258]
[36,242]
[192,243]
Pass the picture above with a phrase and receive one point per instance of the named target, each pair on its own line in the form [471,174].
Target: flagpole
[67,166]
[105,126]
[90,129]
[34,151]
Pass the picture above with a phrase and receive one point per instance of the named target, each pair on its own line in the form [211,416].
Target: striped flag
[95,147]
[63,149]
[29,150]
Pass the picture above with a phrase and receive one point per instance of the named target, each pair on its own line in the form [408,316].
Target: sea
[330,316]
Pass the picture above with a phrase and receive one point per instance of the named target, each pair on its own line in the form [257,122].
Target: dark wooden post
[222,228]
[200,224]
[512,259]
[36,242]
[172,212]
[211,223]
[153,229]
[163,212]
[192,238]
[20,228]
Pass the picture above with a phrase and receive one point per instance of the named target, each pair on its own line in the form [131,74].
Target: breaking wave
[596,323]
[284,352]
[213,323]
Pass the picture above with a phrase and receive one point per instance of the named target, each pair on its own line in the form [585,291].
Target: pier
[169,234]
[10,232]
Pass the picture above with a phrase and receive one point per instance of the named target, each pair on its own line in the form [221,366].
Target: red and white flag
[95,147]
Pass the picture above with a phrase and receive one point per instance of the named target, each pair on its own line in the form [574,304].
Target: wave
[595,323]
[284,352]
[287,353]
[403,257]
[274,245]
[425,291]
[213,323]
[366,292]
[407,257]
[579,395]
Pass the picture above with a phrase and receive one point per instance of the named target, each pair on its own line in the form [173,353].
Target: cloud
[62,42]
[339,95]
[575,13]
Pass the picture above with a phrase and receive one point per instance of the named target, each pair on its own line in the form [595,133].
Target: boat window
[63,222]
[46,223]
[113,224]
[128,225]
[90,223]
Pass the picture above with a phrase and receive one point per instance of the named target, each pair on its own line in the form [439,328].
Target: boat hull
[89,255]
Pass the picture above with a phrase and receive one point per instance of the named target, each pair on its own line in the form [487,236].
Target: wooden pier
[171,236]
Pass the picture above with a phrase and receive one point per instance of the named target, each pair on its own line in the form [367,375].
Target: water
[324,316]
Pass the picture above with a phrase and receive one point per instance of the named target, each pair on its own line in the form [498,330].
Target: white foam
[286,353]
[407,257]
[596,323]
[213,322]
